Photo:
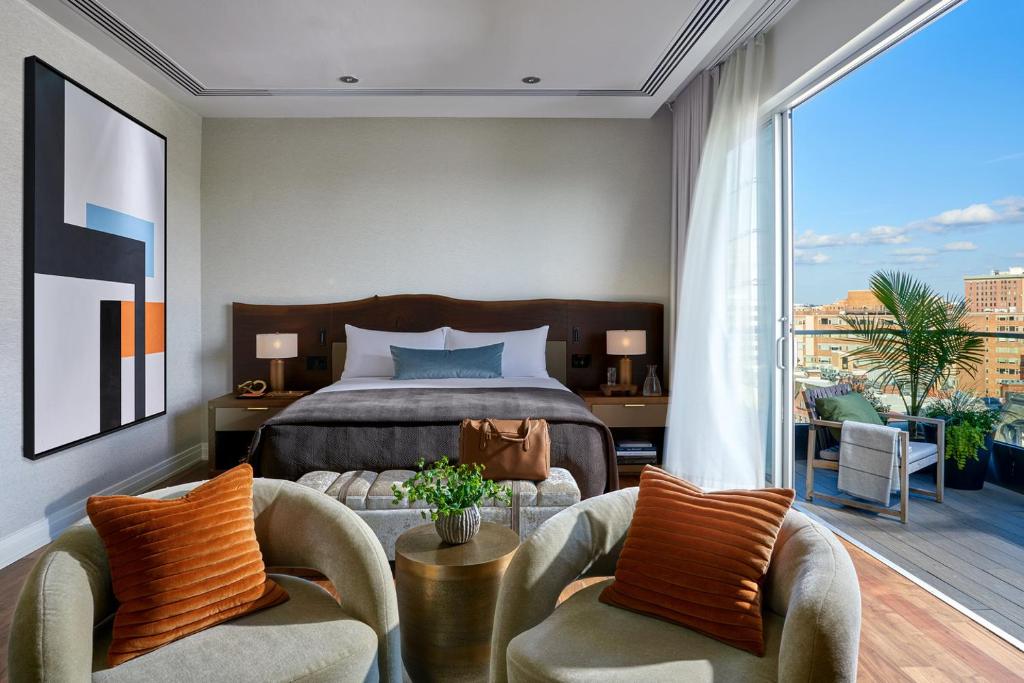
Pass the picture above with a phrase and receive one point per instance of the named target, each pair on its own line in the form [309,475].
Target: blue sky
[915,160]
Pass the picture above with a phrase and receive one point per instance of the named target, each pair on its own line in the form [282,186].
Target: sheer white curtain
[718,426]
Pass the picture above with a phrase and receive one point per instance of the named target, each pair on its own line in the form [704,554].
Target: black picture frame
[41,209]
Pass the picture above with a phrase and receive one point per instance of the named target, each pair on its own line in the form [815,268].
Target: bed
[377,424]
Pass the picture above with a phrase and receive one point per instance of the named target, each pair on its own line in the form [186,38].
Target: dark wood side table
[232,423]
[446,600]
[631,417]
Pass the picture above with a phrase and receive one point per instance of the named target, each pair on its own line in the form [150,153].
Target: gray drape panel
[691,113]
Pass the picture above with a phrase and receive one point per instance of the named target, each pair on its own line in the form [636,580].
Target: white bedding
[354,383]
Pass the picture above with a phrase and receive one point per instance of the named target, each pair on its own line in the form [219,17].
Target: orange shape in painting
[154,328]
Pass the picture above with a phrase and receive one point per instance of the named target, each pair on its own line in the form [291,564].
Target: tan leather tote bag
[508,449]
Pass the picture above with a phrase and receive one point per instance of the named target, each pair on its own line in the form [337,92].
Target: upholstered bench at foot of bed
[369,495]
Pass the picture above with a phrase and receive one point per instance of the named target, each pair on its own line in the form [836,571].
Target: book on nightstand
[636,453]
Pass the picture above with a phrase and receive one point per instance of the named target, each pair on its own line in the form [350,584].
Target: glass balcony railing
[823,358]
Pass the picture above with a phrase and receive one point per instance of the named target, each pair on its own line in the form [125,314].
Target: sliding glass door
[776,293]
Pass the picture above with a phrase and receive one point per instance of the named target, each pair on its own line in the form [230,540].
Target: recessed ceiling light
[348,79]
[531,80]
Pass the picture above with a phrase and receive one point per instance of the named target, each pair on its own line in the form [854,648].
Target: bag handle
[489,425]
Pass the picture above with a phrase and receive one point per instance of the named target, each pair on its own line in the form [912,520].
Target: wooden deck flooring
[970,547]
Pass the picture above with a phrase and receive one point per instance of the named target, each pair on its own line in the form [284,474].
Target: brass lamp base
[277,374]
[625,370]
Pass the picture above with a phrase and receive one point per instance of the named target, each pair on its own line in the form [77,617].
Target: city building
[815,350]
[999,290]
[995,303]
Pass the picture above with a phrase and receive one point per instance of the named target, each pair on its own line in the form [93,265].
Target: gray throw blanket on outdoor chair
[868,455]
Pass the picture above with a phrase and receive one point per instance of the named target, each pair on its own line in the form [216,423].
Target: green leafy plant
[927,338]
[449,489]
[968,422]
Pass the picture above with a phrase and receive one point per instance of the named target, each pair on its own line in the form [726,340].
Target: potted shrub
[919,344]
[924,338]
[453,492]
[970,427]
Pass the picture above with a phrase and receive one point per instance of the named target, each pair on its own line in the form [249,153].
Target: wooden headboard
[580,324]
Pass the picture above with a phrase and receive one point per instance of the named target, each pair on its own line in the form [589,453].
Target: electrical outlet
[316,362]
[581,360]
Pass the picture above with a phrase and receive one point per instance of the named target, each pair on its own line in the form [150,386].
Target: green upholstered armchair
[812,610]
[61,627]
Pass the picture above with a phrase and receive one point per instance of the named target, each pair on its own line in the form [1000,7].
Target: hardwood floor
[970,547]
[907,633]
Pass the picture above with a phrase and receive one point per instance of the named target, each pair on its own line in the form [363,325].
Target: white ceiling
[595,58]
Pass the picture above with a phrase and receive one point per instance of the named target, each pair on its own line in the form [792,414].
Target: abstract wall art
[95,265]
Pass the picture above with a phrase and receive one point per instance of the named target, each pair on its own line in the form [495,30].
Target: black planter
[1006,467]
[972,476]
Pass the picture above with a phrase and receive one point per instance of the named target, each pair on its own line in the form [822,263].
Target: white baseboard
[17,545]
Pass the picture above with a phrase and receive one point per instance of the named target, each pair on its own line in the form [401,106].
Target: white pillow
[523,355]
[368,352]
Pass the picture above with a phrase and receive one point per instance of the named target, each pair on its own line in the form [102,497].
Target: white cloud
[811,239]
[914,258]
[808,258]
[1005,157]
[915,251]
[975,214]
[1001,211]
[1006,210]
[880,234]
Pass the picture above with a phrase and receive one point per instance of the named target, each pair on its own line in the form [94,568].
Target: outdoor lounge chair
[823,453]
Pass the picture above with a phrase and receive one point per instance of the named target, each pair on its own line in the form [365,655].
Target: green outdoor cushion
[852,406]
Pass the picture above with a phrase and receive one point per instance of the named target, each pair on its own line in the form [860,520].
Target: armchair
[61,628]
[812,615]
[823,453]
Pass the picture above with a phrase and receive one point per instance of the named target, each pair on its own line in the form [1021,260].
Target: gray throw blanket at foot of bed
[381,429]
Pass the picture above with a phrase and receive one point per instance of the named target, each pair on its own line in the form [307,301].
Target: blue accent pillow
[480,362]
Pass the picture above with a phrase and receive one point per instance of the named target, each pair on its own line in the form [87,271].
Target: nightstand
[639,418]
[232,423]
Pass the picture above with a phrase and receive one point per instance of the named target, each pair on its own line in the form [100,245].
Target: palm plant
[925,342]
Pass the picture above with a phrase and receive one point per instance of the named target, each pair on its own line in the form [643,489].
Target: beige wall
[35,493]
[318,210]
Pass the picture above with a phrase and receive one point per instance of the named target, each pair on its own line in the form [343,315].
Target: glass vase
[652,386]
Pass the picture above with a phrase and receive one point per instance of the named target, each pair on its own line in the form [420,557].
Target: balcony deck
[970,547]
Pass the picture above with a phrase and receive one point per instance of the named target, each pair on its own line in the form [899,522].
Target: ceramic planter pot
[459,528]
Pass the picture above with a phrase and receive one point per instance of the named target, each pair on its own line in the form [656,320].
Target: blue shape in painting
[116,223]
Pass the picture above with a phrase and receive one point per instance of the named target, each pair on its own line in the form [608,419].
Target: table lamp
[277,347]
[626,343]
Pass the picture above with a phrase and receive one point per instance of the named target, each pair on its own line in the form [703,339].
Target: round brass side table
[446,600]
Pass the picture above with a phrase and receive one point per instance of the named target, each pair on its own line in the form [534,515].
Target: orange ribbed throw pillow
[698,559]
[182,565]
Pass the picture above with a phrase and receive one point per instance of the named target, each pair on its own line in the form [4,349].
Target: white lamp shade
[627,342]
[277,345]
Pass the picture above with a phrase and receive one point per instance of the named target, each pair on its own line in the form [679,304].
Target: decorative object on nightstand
[253,388]
[652,385]
[277,347]
[232,423]
[637,424]
[453,493]
[624,343]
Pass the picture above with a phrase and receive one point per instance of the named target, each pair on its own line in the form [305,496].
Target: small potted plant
[453,492]
[970,426]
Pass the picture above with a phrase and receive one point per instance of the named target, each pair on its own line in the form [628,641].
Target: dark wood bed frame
[580,324]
